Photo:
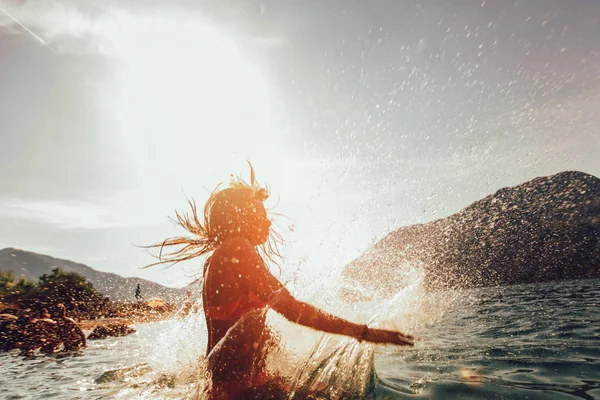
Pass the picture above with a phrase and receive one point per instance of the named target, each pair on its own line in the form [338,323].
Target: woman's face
[261,225]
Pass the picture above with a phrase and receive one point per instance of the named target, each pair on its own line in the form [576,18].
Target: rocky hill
[545,229]
[32,265]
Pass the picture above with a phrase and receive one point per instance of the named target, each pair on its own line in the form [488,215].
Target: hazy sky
[362,116]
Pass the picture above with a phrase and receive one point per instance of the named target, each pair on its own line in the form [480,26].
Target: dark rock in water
[7,317]
[118,375]
[8,332]
[542,230]
[112,330]
[43,334]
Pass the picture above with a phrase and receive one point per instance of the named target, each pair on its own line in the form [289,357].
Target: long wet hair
[227,212]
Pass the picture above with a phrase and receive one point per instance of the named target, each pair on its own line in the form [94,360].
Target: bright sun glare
[188,97]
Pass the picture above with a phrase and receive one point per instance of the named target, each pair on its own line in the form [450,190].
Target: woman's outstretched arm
[312,317]
[261,282]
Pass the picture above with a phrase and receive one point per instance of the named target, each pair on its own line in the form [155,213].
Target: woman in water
[238,289]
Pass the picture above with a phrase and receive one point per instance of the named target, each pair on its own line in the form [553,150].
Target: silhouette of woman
[238,288]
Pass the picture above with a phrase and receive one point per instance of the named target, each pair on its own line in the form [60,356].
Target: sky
[361,116]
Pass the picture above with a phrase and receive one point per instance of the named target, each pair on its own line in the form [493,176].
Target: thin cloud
[65,215]
[70,214]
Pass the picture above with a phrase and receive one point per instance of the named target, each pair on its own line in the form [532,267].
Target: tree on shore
[138,293]
[7,281]
[10,285]
[71,289]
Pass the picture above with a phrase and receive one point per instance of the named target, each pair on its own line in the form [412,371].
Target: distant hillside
[545,229]
[32,265]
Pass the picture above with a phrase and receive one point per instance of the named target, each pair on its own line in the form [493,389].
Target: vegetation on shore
[81,300]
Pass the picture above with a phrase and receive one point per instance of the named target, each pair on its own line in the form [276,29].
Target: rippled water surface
[529,341]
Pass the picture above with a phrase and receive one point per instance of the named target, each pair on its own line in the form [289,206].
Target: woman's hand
[374,335]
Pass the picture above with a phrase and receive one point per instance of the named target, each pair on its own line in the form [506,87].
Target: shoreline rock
[110,330]
[542,230]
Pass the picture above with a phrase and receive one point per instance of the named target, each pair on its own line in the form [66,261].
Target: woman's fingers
[407,340]
[390,337]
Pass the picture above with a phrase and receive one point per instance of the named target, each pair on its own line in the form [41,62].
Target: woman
[238,289]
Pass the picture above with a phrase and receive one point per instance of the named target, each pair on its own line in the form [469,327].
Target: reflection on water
[536,341]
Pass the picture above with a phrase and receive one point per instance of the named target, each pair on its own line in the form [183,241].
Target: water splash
[310,362]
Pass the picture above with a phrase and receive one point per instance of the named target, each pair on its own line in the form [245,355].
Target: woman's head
[236,211]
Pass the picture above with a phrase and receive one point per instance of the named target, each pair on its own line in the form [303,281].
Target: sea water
[539,341]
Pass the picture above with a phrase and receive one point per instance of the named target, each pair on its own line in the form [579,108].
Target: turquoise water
[528,341]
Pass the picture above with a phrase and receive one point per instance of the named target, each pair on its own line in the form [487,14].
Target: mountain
[32,265]
[542,230]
